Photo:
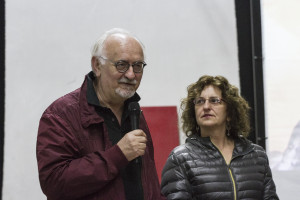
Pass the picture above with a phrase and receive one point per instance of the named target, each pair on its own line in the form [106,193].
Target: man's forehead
[116,42]
[116,38]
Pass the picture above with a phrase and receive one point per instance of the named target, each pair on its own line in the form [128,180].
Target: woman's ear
[96,66]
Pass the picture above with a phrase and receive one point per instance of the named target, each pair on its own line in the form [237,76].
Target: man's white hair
[98,46]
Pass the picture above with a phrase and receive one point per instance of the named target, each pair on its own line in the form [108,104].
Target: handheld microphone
[135,112]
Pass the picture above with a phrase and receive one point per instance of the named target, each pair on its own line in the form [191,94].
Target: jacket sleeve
[64,172]
[174,182]
[270,188]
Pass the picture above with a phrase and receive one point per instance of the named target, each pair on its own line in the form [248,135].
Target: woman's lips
[206,115]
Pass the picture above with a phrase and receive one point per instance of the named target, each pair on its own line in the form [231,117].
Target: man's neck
[116,105]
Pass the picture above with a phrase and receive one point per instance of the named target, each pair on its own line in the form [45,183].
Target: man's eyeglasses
[122,66]
[212,100]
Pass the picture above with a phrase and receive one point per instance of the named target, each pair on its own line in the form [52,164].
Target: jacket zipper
[230,172]
[233,182]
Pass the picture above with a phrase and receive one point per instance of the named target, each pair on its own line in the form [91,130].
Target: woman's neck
[217,136]
[224,144]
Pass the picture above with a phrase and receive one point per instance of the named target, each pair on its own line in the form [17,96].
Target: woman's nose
[206,104]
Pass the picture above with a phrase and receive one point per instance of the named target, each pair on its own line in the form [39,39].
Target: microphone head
[134,106]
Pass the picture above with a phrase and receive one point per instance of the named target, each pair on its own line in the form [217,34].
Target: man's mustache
[127,81]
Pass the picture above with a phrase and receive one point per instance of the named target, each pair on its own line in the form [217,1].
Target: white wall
[48,53]
[281,36]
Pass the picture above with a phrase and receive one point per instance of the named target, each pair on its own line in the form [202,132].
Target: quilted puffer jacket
[197,170]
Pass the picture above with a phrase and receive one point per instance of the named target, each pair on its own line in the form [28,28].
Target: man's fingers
[139,132]
[133,144]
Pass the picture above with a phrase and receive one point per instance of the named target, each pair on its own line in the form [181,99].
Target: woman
[217,161]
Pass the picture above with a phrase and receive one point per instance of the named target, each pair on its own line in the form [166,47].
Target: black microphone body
[134,113]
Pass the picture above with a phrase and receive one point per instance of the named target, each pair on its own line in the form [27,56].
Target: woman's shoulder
[185,152]
[181,149]
[249,143]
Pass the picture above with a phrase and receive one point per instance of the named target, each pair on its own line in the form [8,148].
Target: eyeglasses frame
[121,71]
[219,102]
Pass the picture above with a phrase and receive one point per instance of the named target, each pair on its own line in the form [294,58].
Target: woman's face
[211,113]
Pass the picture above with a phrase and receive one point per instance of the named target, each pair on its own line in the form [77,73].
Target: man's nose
[130,73]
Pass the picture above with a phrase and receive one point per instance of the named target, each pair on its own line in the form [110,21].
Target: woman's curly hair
[237,106]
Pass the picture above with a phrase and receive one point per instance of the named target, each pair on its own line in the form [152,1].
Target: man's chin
[126,94]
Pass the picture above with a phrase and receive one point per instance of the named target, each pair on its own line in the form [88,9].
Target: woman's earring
[228,127]
[197,129]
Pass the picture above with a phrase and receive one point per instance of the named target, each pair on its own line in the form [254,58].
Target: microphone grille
[133,106]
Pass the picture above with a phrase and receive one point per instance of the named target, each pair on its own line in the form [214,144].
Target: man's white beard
[125,93]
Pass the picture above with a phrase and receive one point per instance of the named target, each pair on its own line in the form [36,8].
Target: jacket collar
[88,113]
[242,145]
[88,105]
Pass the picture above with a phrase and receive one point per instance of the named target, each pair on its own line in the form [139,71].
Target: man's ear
[96,66]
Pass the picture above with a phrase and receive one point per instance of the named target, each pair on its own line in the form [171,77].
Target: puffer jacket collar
[242,146]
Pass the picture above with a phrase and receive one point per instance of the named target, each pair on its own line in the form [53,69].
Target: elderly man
[86,147]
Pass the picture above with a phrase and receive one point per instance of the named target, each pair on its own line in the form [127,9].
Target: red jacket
[76,159]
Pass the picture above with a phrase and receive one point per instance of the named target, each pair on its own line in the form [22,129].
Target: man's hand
[133,144]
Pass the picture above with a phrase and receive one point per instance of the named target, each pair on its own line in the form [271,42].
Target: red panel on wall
[163,125]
